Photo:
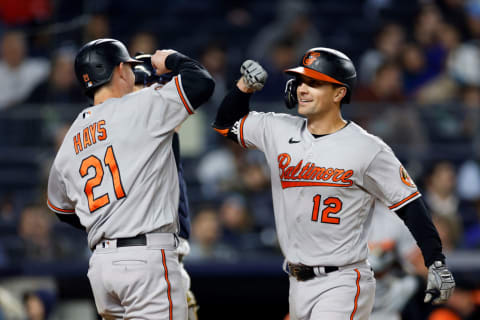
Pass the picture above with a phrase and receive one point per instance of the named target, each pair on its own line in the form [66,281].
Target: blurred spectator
[237,13]
[443,86]
[255,181]
[37,240]
[213,56]
[292,21]
[450,231]
[217,171]
[468,181]
[39,304]
[401,127]
[417,72]
[98,26]
[389,42]
[61,86]
[470,104]
[237,225]
[471,233]
[143,41]
[19,74]
[440,188]
[386,85]
[464,64]
[468,186]
[205,241]
[427,25]
[424,59]
[454,13]
[453,124]
[8,215]
[281,57]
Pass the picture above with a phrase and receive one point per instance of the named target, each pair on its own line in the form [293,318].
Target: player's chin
[303,108]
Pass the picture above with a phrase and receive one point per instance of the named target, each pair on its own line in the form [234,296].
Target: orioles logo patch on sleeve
[406,178]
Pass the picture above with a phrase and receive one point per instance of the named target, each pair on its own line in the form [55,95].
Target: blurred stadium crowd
[418,65]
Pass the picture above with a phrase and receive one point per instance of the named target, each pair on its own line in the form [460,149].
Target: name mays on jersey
[311,175]
[89,135]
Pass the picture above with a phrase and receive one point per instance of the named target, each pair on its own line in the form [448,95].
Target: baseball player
[146,76]
[326,174]
[115,176]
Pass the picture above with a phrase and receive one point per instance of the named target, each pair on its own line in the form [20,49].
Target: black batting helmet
[96,60]
[145,73]
[324,64]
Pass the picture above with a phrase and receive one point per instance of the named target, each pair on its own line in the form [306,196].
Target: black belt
[140,240]
[304,273]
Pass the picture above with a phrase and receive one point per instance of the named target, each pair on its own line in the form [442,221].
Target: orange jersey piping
[59,209]
[242,141]
[293,184]
[180,93]
[170,307]
[404,200]
[356,295]
[223,132]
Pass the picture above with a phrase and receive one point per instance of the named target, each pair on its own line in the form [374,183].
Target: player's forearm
[197,83]
[234,106]
[419,222]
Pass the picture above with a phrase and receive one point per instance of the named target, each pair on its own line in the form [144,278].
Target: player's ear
[123,69]
[340,93]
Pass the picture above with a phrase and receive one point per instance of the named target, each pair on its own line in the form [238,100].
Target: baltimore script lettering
[311,175]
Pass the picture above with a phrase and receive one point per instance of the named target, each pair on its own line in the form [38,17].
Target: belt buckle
[296,271]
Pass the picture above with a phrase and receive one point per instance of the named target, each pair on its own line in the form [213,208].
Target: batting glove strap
[440,283]
[254,76]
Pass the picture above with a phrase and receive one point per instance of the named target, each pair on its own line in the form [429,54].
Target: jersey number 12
[93,162]
[333,206]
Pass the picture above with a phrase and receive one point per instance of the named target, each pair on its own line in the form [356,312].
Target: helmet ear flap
[290,96]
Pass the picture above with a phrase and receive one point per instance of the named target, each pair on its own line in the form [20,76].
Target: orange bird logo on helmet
[310,58]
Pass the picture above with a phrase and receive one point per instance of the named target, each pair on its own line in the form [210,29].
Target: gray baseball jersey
[115,168]
[324,188]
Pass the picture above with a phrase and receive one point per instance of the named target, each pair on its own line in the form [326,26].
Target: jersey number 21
[94,162]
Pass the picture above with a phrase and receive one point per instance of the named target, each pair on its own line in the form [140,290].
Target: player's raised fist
[158,60]
[253,75]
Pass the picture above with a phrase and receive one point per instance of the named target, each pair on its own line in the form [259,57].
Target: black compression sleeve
[234,106]
[71,219]
[176,148]
[197,83]
[418,220]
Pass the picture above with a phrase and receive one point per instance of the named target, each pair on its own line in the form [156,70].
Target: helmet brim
[312,74]
[134,61]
